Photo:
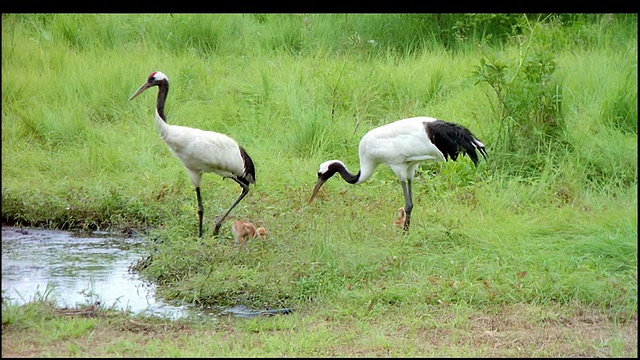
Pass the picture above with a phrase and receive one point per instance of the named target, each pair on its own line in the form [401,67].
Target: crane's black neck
[163,90]
[346,175]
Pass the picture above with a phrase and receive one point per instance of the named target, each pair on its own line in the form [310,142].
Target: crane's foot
[407,222]
[216,227]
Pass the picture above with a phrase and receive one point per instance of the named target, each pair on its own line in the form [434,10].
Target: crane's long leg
[200,211]
[245,191]
[408,203]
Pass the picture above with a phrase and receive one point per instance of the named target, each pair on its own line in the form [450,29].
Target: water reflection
[78,269]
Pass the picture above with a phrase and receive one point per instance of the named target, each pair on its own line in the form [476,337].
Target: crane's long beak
[142,88]
[316,188]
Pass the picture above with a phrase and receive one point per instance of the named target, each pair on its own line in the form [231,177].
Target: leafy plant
[528,101]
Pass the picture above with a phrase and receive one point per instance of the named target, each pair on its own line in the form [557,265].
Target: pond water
[76,269]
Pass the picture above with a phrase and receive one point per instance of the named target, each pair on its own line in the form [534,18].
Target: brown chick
[243,230]
[399,222]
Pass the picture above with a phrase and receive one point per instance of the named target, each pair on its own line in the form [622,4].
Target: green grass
[545,228]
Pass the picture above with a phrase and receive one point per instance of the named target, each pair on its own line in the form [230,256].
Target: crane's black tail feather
[249,175]
[454,139]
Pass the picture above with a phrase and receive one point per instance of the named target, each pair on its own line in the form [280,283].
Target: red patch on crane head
[153,74]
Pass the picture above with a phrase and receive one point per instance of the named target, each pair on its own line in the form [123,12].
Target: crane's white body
[402,145]
[202,151]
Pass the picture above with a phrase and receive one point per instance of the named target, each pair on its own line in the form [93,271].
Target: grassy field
[533,253]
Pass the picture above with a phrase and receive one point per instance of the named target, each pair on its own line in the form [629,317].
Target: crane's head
[155,78]
[326,170]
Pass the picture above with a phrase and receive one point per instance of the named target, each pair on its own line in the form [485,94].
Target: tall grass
[549,219]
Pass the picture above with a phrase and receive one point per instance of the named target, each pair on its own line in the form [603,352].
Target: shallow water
[77,269]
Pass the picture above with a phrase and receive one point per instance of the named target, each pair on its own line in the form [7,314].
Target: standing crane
[403,145]
[201,151]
